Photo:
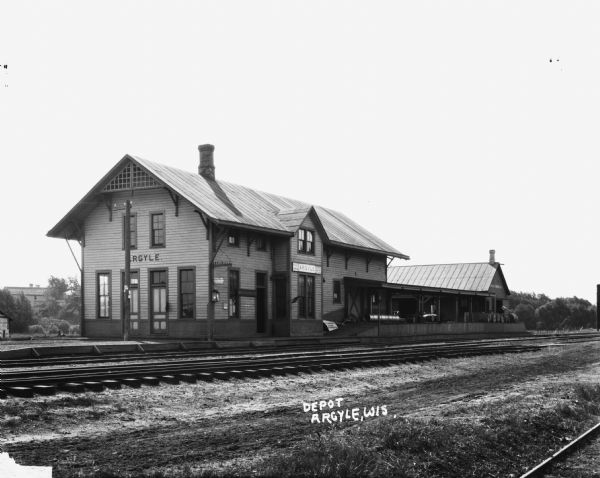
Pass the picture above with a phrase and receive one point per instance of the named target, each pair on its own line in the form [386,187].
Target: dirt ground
[236,427]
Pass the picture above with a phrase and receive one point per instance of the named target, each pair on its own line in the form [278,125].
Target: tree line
[540,312]
[59,312]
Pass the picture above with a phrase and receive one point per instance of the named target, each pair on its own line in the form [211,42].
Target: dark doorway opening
[261,301]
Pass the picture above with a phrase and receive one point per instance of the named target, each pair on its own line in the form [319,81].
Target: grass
[493,440]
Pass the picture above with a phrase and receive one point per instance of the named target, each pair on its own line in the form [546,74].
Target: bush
[36,330]
[64,326]
[53,330]
[75,330]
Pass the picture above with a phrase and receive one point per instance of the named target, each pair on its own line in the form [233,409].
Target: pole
[597,306]
[126,282]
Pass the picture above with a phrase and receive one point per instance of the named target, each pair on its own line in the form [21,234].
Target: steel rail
[127,356]
[540,469]
[254,359]
[328,361]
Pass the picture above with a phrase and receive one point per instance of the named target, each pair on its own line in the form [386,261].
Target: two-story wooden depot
[217,260]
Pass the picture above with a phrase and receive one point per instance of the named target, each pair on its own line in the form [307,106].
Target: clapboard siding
[357,268]
[248,261]
[313,259]
[186,245]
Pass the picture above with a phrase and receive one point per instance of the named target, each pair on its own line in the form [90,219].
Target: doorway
[261,302]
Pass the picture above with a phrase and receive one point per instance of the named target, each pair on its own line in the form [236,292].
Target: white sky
[441,126]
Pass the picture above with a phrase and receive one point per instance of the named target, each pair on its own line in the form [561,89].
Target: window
[132,231]
[305,241]
[261,243]
[337,292]
[187,293]
[306,296]
[134,291]
[233,238]
[103,294]
[157,221]
[234,293]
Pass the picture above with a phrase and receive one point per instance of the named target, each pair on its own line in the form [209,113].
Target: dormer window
[306,243]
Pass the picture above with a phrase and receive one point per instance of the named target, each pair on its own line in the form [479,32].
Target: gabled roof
[466,277]
[232,205]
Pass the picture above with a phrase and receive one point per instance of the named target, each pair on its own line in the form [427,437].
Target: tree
[18,309]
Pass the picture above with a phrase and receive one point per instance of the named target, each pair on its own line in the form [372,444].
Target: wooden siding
[186,245]
[337,271]
[313,259]
[248,266]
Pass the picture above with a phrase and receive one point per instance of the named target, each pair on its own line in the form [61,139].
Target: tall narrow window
[234,293]
[306,296]
[158,229]
[132,231]
[187,293]
[306,241]
[103,295]
[337,292]
[261,243]
[158,301]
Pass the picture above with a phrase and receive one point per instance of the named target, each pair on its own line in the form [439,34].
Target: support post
[126,285]
[597,305]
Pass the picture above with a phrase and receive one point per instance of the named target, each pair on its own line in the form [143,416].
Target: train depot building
[215,260]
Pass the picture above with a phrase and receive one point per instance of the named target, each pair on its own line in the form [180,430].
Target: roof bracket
[250,240]
[390,259]
[347,256]
[369,258]
[204,220]
[175,199]
[328,254]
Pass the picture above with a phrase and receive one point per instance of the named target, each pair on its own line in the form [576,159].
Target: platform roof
[472,277]
[233,205]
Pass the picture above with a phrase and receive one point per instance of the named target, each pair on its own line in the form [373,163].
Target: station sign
[307,268]
[219,280]
[154,257]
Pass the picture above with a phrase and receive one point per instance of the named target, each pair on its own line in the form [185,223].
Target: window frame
[179,293]
[337,284]
[261,242]
[164,229]
[109,295]
[229,295]
[303,241]
[236,237]
[133,216]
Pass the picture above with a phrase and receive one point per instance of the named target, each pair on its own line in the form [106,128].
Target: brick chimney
[492,256]
[207,163]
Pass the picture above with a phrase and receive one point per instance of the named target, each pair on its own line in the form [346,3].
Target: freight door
[158,302]
[261,302]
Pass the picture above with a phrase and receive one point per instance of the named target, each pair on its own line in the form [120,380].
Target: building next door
[134,302]
[261,302]
[158,301]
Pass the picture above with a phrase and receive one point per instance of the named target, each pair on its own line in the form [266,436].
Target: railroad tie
[112,384]
[94,386]
[205,376]
[152,381]
[3,393]
[23,392]
[221,375]
[132,382]
[170,379]
[187,377]
[44,389]
[72,387]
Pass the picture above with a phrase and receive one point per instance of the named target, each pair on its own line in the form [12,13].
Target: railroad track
[141,354]
[26,383]
[541,469]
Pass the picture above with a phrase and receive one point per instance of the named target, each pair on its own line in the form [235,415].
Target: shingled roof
[467,277]
[233,205]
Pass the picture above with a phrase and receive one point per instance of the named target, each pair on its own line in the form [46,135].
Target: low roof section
[223,203]
[473,278]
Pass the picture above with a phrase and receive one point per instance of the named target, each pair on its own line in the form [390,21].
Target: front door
[134,302]
[158,302]
[261,302]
